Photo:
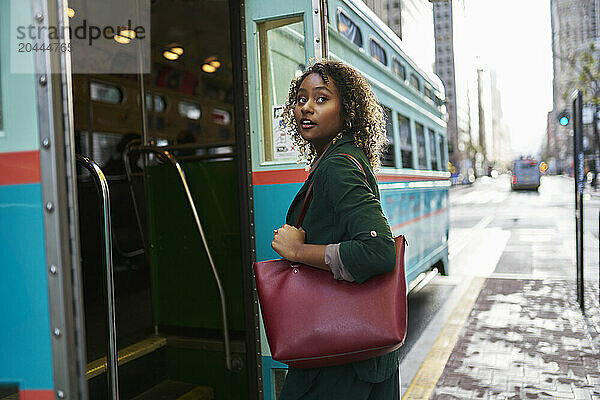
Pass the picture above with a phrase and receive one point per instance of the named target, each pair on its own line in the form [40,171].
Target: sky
[514,38]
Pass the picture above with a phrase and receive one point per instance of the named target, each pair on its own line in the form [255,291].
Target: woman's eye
[301,100]
[321,99]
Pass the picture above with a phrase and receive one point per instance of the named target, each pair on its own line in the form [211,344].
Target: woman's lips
[307,124]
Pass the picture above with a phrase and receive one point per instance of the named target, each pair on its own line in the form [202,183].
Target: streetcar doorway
[168,314]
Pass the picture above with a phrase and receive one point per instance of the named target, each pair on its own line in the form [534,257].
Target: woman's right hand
[287,241]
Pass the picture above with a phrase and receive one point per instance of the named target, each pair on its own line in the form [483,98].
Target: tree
[586,65]
[586,68]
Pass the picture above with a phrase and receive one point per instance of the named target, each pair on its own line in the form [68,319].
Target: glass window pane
[155,102]
[432,150]
[429,93]
[105,93]
[349,29]
[399,69]
[443,165]
[420,131]
[388,158]
[377,52]
[282,58]
[1,120]
[414,82]
[189,110]
[405,141]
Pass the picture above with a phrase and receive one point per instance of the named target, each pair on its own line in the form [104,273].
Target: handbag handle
[308,196]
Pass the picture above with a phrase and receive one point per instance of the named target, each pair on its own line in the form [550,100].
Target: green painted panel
[184,291]
[207,368]
[18,102]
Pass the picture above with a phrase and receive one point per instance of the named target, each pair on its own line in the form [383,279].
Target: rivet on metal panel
[46,143]
[49,206]
[60,394]
[316,10]
[43,80]
[39,17]
[317,40]
[53,269]
[57,332]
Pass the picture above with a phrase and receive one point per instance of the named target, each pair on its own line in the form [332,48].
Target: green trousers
[339,382]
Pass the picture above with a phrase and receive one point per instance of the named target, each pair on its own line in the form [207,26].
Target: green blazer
[345,209]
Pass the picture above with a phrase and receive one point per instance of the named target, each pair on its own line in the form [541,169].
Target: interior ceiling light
[70,12]
[208,68]
[213,61]
[124,36]
[169,55]
[177,50]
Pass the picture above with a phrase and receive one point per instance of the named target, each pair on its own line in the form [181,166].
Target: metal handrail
[173,161]
[104,194]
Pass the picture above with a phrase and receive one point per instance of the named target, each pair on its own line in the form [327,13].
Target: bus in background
[526,175]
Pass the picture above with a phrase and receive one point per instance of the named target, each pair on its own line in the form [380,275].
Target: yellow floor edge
[125,355]
[199,393]
[426,378]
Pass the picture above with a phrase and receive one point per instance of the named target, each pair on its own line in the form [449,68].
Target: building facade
[575,23]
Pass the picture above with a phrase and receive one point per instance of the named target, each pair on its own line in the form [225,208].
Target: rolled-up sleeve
[370,249]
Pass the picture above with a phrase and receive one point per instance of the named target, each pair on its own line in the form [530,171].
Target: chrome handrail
[103,192]
[131,148]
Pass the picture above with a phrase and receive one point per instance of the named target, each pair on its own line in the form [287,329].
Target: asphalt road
[495,232]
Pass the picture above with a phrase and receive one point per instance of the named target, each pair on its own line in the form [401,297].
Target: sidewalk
[526,339]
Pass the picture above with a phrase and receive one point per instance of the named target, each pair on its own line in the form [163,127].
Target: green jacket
[345,209]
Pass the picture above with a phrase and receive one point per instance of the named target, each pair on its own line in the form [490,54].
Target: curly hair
[362,115]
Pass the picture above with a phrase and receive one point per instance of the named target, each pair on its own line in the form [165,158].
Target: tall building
[574,24]
[412,21]
[502,151]
[455,64]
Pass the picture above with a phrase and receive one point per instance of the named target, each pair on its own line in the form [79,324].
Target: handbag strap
[308,196]
[307,199]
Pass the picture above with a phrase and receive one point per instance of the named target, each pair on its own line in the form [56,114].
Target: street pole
[579,173]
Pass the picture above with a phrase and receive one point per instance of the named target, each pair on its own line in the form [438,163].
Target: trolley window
[105,93]
[155,102]
[377,52]
[189,110]
[2,134]
[398,69]
[433,150]
[282,58]
[443,162]
[414,82]
[421,157]
[405,141]
[428,93]
[349,29]
[387,158]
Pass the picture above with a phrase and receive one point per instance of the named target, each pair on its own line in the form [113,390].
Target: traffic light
[564,118]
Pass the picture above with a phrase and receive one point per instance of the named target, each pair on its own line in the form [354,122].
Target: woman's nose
[307,107]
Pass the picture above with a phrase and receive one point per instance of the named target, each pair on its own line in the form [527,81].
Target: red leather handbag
[313,320]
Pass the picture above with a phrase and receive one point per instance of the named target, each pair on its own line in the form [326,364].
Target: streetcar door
[282,36]
[40,334]
[176,101]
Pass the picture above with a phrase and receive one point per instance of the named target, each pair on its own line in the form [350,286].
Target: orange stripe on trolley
[410,221]
[408,178]
[36,394]
[300,175]
[278,177]
[20,168]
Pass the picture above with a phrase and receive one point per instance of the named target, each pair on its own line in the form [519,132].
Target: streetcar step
[173,390]
[126,355]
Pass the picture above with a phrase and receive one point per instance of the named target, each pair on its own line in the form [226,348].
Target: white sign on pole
[284,148]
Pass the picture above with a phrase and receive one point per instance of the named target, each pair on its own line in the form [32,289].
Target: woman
[338,125]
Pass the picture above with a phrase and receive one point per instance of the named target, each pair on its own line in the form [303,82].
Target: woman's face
[318,111]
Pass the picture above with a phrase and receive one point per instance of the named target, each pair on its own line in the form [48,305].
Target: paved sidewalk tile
[526,339]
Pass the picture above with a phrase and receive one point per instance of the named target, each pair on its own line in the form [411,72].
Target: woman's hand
[287,241]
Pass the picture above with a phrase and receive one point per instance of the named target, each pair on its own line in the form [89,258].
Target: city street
[512,263]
